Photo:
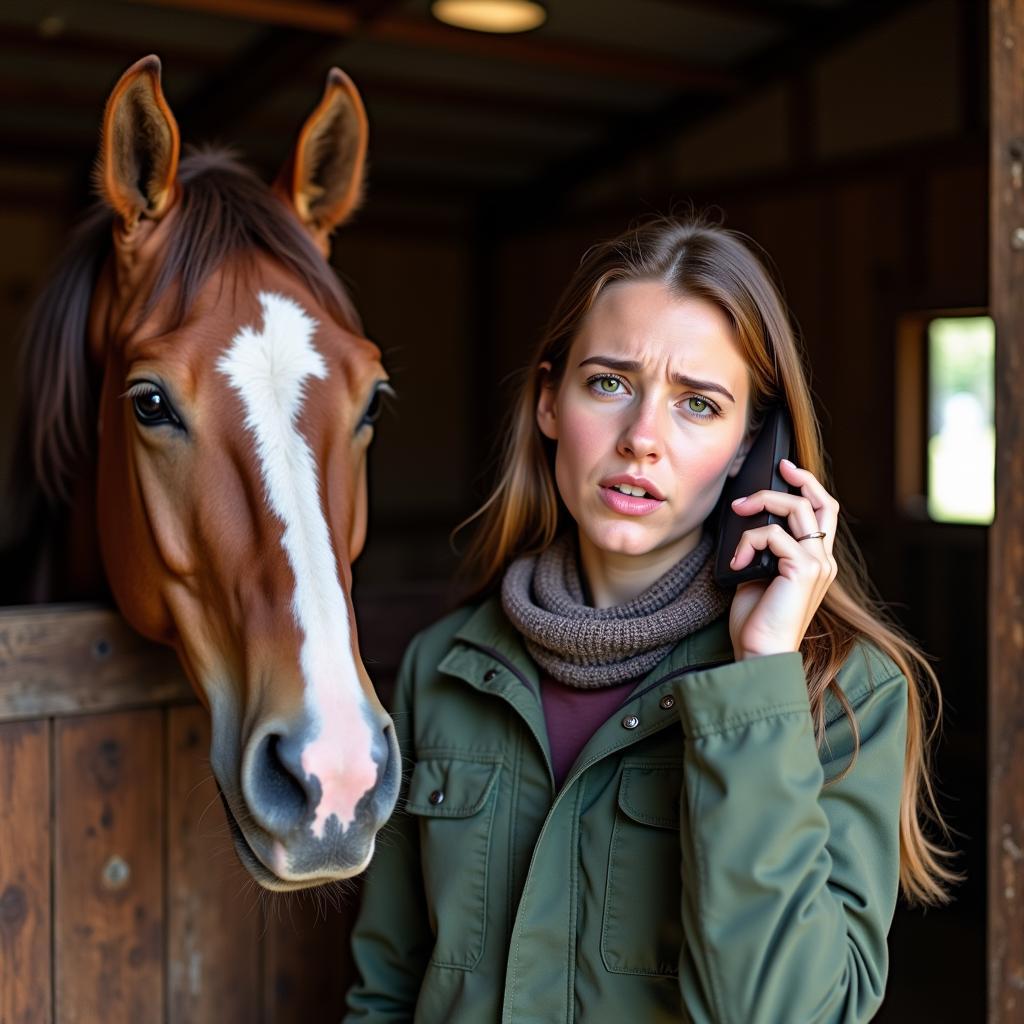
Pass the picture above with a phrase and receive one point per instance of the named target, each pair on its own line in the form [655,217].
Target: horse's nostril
[278,786]
[390,778]
[292,784]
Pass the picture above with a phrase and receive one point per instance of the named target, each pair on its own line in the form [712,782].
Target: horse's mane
[225,211]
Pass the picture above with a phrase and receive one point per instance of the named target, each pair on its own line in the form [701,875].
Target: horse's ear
[323,177]
[138,163]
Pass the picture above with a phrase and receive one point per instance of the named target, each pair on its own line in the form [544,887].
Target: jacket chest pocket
[455,802]
[642,930]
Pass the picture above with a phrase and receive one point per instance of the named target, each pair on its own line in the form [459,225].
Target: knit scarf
[596,647]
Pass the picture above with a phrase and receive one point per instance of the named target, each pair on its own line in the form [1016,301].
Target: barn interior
[848,138]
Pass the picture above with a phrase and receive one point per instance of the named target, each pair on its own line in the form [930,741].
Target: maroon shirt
[573,715]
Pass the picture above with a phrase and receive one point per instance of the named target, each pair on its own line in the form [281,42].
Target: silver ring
[811,536]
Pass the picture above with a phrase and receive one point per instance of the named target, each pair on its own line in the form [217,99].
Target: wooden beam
[563,55]
[76,659]
[279,55]
[264,152]
[80,46]
[335,19]
[787,13]
[567,57]
[494,102]
[281,129]
[374,88]
[761,185]
[1006,537]
[636,134]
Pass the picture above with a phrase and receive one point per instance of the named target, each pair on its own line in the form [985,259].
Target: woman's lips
[626,504]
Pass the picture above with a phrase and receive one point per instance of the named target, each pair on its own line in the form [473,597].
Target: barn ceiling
[455,116]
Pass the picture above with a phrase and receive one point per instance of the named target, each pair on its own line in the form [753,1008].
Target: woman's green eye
[609,384]
[697,405]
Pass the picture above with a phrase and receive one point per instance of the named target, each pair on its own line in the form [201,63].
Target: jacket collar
[488,630]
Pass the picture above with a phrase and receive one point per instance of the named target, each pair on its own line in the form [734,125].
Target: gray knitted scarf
[595,647]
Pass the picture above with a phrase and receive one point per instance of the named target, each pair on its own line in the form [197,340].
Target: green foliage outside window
[961,419]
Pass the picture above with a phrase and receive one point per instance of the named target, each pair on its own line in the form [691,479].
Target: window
[945,421]
[961,419]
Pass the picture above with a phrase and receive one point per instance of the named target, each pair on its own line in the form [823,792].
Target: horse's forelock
[227,211]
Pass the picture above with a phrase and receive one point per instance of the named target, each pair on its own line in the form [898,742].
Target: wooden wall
[121,897]
[1006,553]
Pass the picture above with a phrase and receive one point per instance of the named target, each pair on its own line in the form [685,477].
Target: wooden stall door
[121,897]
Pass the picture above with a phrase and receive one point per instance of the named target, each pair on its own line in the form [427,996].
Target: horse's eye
[376,404]
[152,408]
[373,409]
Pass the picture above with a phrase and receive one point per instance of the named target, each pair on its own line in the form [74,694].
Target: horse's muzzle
[303,827]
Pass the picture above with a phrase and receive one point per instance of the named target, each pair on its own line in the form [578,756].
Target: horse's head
[235,413]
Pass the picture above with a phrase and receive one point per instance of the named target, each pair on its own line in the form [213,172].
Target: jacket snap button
[490,674]
[630,722]
[666,702]
[437,797]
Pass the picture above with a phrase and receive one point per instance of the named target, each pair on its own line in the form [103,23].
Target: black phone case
[760,471]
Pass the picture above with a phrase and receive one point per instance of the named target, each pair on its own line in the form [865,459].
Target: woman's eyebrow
[631,366]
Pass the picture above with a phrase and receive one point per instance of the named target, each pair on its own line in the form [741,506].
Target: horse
[202,398]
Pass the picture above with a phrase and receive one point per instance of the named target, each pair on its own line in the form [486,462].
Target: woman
[636,796]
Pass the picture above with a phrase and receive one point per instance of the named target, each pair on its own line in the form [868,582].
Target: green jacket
[691,868]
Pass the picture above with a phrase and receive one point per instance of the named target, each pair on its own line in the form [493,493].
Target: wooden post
[1006,547]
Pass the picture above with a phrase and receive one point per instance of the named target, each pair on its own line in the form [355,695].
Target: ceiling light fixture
[491,15]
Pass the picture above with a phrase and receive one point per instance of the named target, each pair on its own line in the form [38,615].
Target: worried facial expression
[650,417]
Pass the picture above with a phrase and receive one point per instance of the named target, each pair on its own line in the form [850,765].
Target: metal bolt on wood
[116,873]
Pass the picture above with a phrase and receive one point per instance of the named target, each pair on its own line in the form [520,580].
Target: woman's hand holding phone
[771,617]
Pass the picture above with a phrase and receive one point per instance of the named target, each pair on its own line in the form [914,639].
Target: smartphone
[759,472]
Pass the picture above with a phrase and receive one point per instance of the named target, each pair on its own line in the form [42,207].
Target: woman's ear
[546,416]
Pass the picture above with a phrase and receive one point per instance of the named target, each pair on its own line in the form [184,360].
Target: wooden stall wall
[1006,596]
[121,897]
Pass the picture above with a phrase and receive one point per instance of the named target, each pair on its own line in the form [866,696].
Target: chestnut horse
[195,364]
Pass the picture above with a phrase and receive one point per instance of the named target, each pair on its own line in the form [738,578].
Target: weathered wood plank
[74,659]
[25,873]
[78,659]
[307,965]
[1006,538]
[214,920]
[108,891]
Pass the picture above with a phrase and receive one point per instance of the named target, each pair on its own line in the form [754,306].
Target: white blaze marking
[268,368]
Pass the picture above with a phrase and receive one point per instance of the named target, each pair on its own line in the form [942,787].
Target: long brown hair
[524,513]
